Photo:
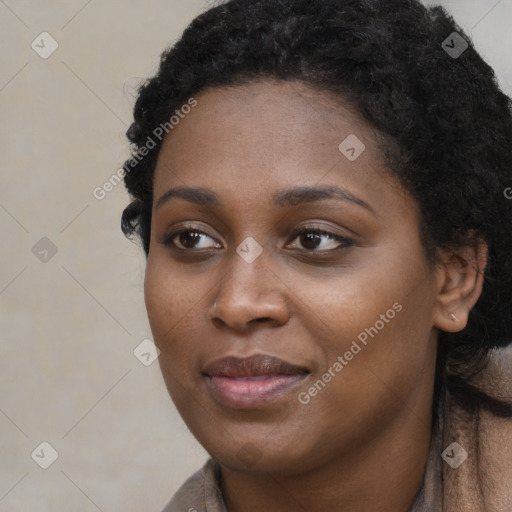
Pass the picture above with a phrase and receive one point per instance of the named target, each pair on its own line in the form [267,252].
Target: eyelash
[168,239]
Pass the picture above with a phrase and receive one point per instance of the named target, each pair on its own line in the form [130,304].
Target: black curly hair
[447,125]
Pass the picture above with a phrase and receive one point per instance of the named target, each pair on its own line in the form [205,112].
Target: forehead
[268,135]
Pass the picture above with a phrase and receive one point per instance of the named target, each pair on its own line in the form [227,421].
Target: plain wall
[69,325]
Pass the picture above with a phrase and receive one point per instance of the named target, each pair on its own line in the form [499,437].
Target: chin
[261,455]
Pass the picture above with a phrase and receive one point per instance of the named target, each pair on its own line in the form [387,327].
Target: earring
[452,316]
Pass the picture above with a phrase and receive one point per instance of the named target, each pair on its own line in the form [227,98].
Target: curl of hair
[446,121]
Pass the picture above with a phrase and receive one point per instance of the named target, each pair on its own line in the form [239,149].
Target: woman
[320,191]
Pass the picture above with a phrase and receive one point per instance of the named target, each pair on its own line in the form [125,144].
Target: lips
[251,382]
[255,366]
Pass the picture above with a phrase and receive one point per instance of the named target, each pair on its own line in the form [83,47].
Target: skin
[363,440]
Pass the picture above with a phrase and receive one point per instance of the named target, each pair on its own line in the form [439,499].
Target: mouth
[252,382]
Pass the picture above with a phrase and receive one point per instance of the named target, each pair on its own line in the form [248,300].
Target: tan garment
[480,483]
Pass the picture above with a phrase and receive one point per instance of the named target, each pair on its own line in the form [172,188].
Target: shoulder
[200,492]
[484,474]
[496,433]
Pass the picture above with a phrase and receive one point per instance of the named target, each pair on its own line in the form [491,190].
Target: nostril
[260,320]
[218,322]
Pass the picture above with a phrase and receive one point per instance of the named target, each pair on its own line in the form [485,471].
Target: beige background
[68,374]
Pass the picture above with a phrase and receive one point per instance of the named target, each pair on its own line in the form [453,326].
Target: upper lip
[253,366]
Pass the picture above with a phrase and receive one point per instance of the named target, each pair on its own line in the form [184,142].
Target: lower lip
[252,392]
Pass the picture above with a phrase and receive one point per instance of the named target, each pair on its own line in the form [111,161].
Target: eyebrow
[285,198]
[302,195]
[199,196]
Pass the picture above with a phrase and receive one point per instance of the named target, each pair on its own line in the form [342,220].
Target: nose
[250,294]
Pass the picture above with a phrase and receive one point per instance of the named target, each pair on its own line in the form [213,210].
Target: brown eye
[310,240]
[320,241]
[188,239]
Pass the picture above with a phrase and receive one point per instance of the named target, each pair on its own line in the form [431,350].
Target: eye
[311,239]
[189,238]
[321,241]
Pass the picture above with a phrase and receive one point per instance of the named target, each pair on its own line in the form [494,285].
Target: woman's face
[301,254]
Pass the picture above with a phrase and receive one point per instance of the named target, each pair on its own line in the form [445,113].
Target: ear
[460,278]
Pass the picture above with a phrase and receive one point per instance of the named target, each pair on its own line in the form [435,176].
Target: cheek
[373,330]
[158,299]
[170,300]
[380,360]
[171,307]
